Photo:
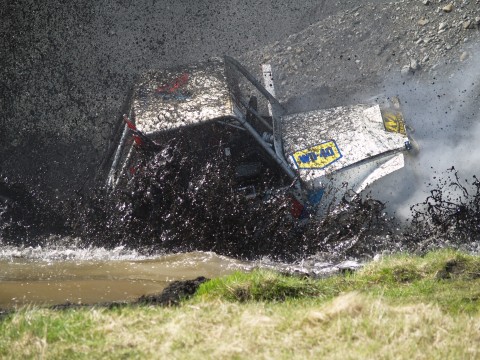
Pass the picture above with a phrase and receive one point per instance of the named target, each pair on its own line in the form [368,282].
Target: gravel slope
[351,53]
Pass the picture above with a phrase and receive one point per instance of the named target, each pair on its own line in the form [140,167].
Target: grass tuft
[258,285]
[440,264]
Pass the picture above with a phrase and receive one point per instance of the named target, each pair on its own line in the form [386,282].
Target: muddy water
[97,276]
[63,271]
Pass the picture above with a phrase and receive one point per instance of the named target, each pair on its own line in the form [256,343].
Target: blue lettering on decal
[312,156]
[318,156]
[324,153]
[304,158]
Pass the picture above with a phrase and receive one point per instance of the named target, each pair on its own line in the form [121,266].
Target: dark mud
[174,293]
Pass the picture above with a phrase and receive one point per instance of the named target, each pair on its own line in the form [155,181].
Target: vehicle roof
[188,95]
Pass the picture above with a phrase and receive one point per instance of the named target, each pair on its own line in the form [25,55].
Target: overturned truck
[315,158]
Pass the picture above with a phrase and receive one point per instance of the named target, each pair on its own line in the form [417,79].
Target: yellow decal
[318,156]
[394,122]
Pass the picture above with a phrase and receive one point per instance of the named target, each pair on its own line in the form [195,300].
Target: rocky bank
[352,53]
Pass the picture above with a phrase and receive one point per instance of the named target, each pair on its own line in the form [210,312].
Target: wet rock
[174,293]
[448,8]
[423,22]
[406,70]
[414,64]
[411,68]
[468,24]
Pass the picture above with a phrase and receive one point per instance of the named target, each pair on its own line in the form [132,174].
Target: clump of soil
[174,293]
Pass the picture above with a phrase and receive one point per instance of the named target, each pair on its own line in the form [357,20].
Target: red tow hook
[296,207]
[140,138]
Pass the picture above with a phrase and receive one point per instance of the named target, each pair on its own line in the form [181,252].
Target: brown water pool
[24,280]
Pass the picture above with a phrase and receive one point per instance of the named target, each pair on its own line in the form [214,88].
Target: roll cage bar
[277,111]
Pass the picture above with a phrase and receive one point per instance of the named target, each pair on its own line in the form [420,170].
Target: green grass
[401,279]
[402,307]
[30,331]
[259,285]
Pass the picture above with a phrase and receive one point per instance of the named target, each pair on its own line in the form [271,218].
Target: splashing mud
[450,214]
[180,204]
